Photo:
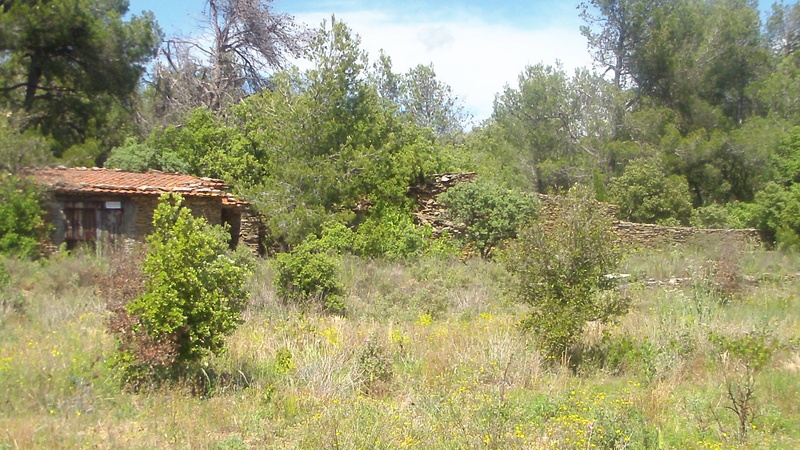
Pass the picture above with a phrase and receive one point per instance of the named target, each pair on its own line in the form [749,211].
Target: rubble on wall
[429,211]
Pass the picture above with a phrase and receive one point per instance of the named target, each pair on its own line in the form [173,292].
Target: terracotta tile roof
[98,180]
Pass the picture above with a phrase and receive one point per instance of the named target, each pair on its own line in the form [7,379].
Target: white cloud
[436,37]
[477,59]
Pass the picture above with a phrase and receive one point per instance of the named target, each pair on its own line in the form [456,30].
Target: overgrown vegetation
[390,232]
[364,331]
[430,354]
[309,275]
[645,194]
[193,296]
[682,120]
[488,213]
[563,271]
[21,217]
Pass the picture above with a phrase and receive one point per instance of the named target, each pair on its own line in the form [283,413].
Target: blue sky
[477,47]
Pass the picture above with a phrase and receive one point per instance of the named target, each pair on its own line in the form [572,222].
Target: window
[94,223]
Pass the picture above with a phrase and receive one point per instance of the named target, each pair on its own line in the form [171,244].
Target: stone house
[113,208]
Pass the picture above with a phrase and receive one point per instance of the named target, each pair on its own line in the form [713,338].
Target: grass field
[428,356]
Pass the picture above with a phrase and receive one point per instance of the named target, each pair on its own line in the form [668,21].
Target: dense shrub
[646,194]
[194,294]
[711,216]
[786,159]
[309,275]
[776,212]
[390,232]
[337,237]
[140,157]
[489,213]
[561,272]
[21,149]
[21,217]
[374,368]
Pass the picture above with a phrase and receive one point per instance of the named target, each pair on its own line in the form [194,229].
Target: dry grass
[462,375]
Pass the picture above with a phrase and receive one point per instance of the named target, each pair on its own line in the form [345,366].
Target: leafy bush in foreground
[21,217]
[194,293]
[310,274]
[560,271]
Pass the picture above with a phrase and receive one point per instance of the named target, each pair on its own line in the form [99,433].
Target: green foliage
[430,103]
[695,57]
[21,217]
[787,158]
[140,157]
[772,94]
[711,216]
[336,237]
[698,74]
[69,66]
[489,213]
[205,145]
[309,275]
[21,149]
[324,140]
[547,133]
[754,349]
[306,151]
[5,277]
[776,212]
[194,287]
[284,361]
[645,194]
[626,353]
[741,358]
[561,270]
[373,365]
[83,154]
[390,232]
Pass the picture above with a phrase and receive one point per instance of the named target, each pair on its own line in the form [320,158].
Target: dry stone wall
[209,208]
[429,211]
[642,235]
[647,235]
[252,231]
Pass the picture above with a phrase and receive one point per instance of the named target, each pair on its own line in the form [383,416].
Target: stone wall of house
[137,217]
[252,231]
[429,211]
[48,245]
[209,208]
[55,216]
[250,227]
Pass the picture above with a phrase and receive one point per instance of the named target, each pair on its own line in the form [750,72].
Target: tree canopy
[688,114]
[69,66]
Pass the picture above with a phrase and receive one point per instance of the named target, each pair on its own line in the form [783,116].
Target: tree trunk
[34,78]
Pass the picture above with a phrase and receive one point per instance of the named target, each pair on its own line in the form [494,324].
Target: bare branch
[249,42]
